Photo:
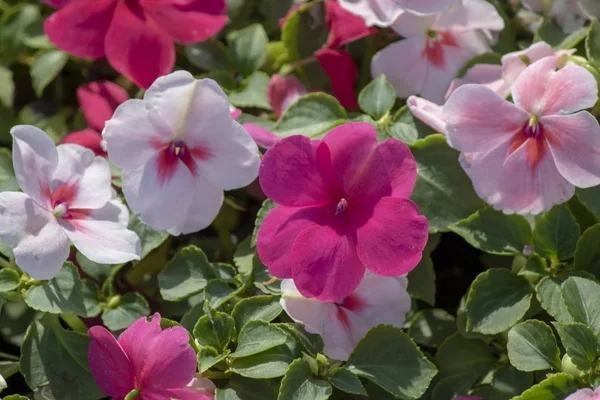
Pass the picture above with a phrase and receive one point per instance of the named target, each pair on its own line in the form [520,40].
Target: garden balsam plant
[299,200]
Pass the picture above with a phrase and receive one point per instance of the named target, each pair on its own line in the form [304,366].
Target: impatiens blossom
[98,101]
[527,156]
[435,48]
[67,197]
[157,364]
[343,207]
[585,394]
[377,300]
[384,12]
[204,386]
[179,149]
[135,35]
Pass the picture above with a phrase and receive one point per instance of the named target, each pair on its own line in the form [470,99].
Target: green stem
[74,322]
[4,263]
[9,356]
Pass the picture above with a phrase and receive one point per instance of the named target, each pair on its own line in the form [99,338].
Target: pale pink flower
[384,12]
[179,150]
[527,156]
[435,48]
[377,300]
[67,197]
[585,394]
[343,207]
[204,386]
[157,363]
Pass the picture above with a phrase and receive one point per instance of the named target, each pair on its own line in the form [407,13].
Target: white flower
[67,197]
[179,149]
[384,12]
[3,384]
[377,300]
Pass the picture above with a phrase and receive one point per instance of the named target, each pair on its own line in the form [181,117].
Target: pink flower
[377,300]
[179,150]
[435,48]
[204,386]
[344,27]
[343,208]
[67,197]
[342,73]
[136,36]
[283,91]
[159,364]
[98,101]
[526,157]
[585,394]
[384,12]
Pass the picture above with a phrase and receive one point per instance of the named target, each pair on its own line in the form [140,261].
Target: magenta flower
[527,156]
[343,208]
[159,364]
[135,35]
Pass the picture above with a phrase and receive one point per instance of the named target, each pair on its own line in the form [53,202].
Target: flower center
[342,205]
[533,129]
[434,47]
[60,210]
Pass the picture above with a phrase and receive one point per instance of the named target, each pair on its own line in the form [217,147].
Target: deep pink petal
[282,92]
[189,21]
[541,90]
[171,362]
[59,3]
[80,27]
[279,231]
[99,100]
[366,170]
[342,73]
[290,176]
[391,236]
[88,138]
[109,364]
[574,142]
[325,264]
[344,27]
[477,119]
[136,339]
[137,47]
[263,137]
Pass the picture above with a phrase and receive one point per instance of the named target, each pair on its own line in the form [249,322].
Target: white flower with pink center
[179,150]
[377,300]
[67,197]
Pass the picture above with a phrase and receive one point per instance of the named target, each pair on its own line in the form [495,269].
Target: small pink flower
[136,36]
[585,394]
[343,207]
[526,157]
[377,300]
[98,101]
[159,364]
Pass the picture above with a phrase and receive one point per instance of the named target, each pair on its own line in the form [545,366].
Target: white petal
[375,12]
[3,384]
[428,112]
[207,202]
[90,174]
[471,15]
[162,206]
[35,158]
[102,237]
[134,133]
[409,24]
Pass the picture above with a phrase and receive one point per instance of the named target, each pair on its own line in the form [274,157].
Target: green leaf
[185,275]
[582,297]
[580,342]
[150,238]
[252,92]
[8,181]
[299,384]
[209,55]
[215,329]
[508,382]
[406,128]
[551,33]
[248,49]
[587,253]
[459,355]
[265,209]
[131,308]
[311,343]
[191,317]
[452,386]
[265,308]
[421,280]
[209,356]
[443,192]
[272,363]
[548,293]
[15,397]
[592,42]
[100,272]
[346,381]
[495,232]
[554,387]
[218,292]
[258,336]
[377,98]
[498,299]
[431,327]
[532,347]
[376,359]
[15,23]
[55,361]
[62,294]
[240,388]
[556,234]
[7,87]
[311,115]
[305,32]
[47,67]
[9,280]
[590,198]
